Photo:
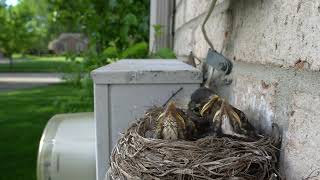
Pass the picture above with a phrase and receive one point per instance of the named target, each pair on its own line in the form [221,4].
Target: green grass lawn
[23,116]
[40,64]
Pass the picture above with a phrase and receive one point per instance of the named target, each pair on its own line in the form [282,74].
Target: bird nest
[138,157]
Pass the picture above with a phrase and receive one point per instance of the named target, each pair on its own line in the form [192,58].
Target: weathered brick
[256,98]
[194,8]
[184,41]
[282,33]
[277,32]
[217,29]
[302,143]
[179,16]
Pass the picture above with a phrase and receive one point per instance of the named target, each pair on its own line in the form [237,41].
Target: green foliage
[24,114]
[139,50]
[102,21]
[158,29]
[94,60]
[2,3]
[115,28]
[20,29]
[110,52]
[163,53]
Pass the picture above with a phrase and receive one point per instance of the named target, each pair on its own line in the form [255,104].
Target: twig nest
[138,157]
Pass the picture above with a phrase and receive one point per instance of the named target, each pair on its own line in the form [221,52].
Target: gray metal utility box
[126,89]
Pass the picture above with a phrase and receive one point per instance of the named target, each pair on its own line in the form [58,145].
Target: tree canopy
[31,24]
[103,21]
[19,30]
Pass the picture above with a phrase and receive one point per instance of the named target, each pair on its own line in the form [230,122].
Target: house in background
[69,42]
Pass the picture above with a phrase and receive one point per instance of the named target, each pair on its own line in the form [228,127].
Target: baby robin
[231,121]
[199,98]
[172,124]
[209,113]
[202,123]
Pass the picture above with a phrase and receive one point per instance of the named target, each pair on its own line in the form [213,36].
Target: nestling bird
[231,121]
[226,121]
[198,99]
[172,124]
[248,129]
[211,107]
[207,110]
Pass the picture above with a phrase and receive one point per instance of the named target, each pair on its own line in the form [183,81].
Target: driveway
[6,61]
[13,81]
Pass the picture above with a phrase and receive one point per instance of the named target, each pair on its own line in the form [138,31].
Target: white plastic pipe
[67,148]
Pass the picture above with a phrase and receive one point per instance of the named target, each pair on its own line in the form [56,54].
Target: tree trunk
[10,62]
[99,46]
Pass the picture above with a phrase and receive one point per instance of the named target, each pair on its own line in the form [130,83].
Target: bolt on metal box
[124,90]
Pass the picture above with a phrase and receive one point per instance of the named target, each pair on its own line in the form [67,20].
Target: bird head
[171,113]
[198,98]
[211,106]
[171,125]
[228,122]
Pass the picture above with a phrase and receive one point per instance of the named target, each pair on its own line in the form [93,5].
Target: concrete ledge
[146,71]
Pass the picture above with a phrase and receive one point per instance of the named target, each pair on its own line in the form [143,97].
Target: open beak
[208,106]
[171,110]
[233,115]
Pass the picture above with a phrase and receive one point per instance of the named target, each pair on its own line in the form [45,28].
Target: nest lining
[137,157]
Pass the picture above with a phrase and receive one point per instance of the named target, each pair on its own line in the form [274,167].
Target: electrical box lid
[136,71]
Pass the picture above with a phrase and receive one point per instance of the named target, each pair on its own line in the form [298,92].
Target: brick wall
[275,46]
